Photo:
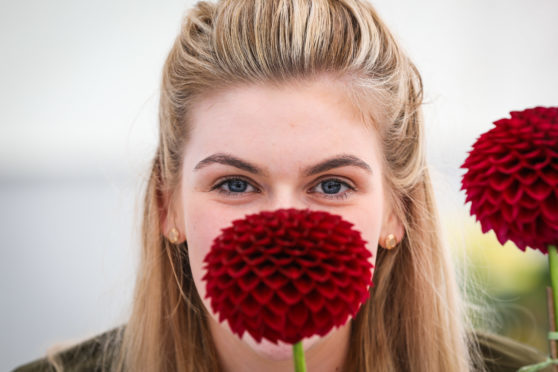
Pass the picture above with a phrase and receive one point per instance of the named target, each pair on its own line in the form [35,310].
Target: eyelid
[340,179]
[232,177]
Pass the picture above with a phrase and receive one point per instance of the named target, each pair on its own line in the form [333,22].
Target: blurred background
[78,127]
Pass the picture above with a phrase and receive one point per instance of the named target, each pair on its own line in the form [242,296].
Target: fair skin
[282,133]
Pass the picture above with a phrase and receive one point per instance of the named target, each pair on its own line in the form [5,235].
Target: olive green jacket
[500,354]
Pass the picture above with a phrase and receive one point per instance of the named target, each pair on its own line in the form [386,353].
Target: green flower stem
[298,354]
[553,266]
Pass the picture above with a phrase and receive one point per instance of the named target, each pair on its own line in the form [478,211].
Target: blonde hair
[414,319]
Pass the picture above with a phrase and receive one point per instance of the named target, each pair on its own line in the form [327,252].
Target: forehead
[291,118]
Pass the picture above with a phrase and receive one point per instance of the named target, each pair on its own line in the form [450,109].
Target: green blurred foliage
[506,285]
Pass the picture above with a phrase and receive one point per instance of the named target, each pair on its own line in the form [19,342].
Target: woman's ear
[391,225]
[171,217]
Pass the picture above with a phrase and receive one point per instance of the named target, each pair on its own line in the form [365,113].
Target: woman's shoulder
[503,354]
[93,354]
[499,353]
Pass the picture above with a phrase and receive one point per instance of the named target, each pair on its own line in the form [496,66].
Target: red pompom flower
[287,274]
[512,178]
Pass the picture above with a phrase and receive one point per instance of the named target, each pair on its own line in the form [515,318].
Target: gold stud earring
[390,242]
[173,235]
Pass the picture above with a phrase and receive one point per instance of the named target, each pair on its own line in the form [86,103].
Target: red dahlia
[287,274]
[512,178]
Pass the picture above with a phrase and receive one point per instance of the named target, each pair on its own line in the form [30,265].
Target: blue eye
[331,189]
[331,186]
[232,186]
[237,185]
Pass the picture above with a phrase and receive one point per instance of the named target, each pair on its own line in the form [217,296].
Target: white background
[78,100]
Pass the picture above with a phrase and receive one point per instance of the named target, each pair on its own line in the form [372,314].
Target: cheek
[368,222]
[201,226]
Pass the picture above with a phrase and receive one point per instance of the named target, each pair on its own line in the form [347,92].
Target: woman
[304,104]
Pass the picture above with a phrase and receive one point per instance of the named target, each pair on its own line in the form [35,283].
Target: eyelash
[341,196]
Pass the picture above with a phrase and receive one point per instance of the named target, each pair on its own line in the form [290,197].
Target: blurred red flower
[287,274]
[512,178]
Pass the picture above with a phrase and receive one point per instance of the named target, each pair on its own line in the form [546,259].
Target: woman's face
[256,148]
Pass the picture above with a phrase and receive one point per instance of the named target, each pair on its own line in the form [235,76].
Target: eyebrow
[338,161]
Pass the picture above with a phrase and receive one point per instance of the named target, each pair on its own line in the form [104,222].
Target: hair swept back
[413,320]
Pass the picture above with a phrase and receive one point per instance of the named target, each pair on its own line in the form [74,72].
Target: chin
[277,352]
